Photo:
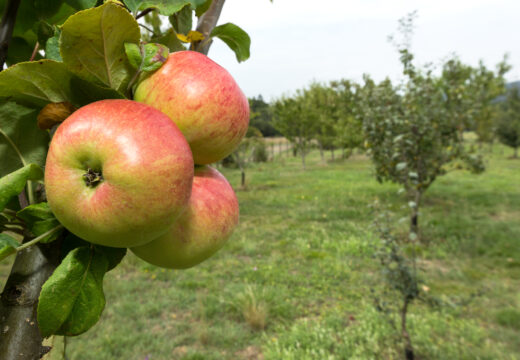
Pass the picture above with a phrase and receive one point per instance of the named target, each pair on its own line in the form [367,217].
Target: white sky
[296,41]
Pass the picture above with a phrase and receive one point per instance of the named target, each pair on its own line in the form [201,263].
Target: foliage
[262,117]
[508,123]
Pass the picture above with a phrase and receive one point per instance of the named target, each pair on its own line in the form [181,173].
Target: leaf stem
[143,13]
[38,238]
[35,51]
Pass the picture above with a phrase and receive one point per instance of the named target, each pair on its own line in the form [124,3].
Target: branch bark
[20,336]
[6,28]
[206,24]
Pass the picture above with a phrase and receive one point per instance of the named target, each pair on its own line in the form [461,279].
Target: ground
[298,278]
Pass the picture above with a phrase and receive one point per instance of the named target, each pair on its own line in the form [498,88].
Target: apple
[118,173]
[203,100]
[201,230]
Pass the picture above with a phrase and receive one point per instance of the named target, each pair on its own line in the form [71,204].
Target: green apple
[118,173]
[203,100]
[201,230]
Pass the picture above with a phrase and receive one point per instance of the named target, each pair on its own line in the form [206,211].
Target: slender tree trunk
[302,151]
[242,177]
[206,24]
[414,218]
[320,145]
[408,348]
[20,337]
[6,28]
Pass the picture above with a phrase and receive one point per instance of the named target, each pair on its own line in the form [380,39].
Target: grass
[295,279]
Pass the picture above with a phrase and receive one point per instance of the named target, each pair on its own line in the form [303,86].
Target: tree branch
[6,28]
[206,24]
[20,336]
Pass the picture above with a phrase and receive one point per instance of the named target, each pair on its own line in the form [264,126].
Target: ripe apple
[201,230]
[203,100]
[118,173]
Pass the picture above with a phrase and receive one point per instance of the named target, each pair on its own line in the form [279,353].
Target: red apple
[118,173]
[202,229]
[203,100]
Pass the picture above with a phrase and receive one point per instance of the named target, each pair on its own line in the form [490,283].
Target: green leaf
[201,9]
[165,7]
[8,246]
[36,83]
[85,92]
[19,50]
[114,255]
[40,219]
[46,8]
[21,142]
[13,184]
[72,300]
[155,55]
[52,47]
[92,44]
[133,53]
[170,40]
[234,37]
[44,32]
[81,4]
[182,20]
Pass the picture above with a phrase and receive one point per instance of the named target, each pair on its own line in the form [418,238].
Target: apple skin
[201,230]
[147,171]
[203,100]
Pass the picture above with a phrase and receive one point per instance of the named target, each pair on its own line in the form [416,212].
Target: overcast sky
[294,42]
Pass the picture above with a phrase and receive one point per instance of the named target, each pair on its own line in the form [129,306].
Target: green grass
[295,279]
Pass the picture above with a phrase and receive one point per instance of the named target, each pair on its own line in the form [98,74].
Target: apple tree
[62,56]
[508,121]
[414,131]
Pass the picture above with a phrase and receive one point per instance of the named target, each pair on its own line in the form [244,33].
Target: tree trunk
[20,337]
[242,178]
[206,24]
[302,151]
[321,151]
[414,218]
[408,348]
[6,28]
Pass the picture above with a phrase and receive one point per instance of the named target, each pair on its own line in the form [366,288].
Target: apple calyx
[93,178]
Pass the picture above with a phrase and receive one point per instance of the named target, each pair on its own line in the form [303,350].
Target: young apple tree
[63,57]
[414,130]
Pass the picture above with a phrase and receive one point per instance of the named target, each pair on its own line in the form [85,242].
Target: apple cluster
[135,174]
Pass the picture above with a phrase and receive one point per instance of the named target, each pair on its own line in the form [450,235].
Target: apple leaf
[170,40]
[85,92]
[52,47]
[91,44]
[165,7]
[201,9]
[234,37]
[182,20]
[72,299]
[36,83]
[8,246]
[40,219]
[114,255]
[13,184]
[81,4]
[44,32]
[146,57]
[21,142]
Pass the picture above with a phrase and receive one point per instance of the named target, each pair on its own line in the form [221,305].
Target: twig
[144,12]
[148,28]
[35,51]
